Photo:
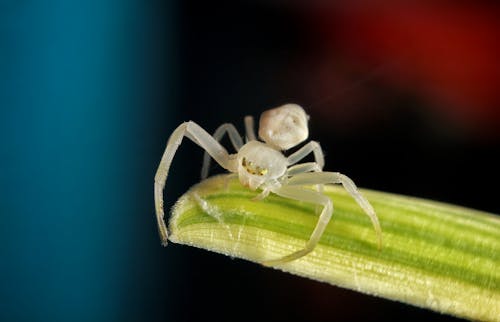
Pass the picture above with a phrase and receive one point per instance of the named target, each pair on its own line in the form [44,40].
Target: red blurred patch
[448,52]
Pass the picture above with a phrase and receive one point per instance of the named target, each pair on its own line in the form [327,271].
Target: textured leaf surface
[438,256]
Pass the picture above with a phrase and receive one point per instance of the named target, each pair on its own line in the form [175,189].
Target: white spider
[263,166]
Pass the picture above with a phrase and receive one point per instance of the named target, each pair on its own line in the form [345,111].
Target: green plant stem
[434,255]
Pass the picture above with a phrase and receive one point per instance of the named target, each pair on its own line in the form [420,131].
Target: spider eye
[252,169]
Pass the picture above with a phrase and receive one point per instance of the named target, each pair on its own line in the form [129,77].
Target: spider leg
[235,138]
[303,167]
[348,184]
[212,211]
[301,153]
[267,188]
[199,136]
[250,129]
[314,197]
[227,179]
[306,167]
[261,196]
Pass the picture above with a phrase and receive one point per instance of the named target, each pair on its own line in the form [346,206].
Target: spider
[262,166]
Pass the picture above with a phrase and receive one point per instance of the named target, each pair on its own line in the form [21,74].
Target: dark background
[403,98]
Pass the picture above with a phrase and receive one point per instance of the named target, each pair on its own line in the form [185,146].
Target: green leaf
[434,255]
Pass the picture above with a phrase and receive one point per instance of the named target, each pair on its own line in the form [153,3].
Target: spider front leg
[250,129]
[314,197]
[303,167]
[212,211]
[235,138]
[300,154]
[336,177]
[199,136]
[306,167]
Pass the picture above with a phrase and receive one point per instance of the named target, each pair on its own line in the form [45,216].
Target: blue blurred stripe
[76,156]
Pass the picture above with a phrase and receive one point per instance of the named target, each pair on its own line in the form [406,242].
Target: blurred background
[403,98]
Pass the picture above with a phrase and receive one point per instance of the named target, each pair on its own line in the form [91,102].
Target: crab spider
[262,165]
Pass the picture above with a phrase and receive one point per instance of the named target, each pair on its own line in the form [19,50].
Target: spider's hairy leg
[212,211]
[307,167]
[314,197]
[235,138]
[199,136]
[262,195]
[349,186]
[250,128]
[301,153]
[303,167]
[227,180]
